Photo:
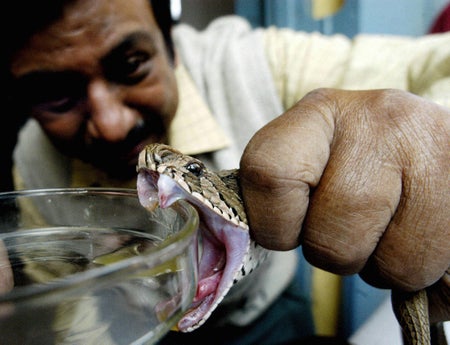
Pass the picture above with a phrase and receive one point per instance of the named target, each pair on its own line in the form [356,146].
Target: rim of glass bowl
[169,247]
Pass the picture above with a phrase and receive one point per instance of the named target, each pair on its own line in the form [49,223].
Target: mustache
[141,131]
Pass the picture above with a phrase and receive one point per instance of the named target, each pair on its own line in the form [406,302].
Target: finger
[355,200]
[395,179]
[421,227]
[280,164]
[420,224]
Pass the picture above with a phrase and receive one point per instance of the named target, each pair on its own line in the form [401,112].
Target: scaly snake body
[229,254]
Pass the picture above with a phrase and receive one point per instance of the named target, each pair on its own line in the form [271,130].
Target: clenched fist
[360,179]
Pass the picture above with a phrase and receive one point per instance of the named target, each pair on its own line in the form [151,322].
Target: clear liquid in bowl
[67,292]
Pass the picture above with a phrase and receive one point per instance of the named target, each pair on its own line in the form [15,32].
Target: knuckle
[342,258]
[409,273]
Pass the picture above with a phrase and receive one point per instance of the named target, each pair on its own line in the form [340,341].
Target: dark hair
[21,20]
[163,15]
[20,25]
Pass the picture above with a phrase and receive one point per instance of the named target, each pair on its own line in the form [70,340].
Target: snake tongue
[207,285]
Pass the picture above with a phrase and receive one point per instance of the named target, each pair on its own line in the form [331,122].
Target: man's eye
[135,61]
[57,106]
[131,69]
[52,92]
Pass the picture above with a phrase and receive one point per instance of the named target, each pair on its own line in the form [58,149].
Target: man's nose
[110,118]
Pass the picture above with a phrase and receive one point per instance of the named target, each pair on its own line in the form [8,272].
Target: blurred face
[99,82]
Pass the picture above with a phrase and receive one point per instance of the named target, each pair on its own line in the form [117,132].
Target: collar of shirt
[194,129]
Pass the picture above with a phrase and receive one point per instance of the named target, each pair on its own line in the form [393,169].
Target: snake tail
[411,310]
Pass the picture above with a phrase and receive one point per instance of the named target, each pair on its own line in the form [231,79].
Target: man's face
[99,82]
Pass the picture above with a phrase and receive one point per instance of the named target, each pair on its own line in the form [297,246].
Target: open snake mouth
[223,250]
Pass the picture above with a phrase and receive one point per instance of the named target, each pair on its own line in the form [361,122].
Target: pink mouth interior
[211,265]
[222,248]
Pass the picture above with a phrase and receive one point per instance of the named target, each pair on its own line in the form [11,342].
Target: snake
[229,254]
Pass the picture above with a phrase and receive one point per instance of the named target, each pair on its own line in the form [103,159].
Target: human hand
[361,180]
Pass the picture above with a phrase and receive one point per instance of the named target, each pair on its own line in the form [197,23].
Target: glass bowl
[92,266]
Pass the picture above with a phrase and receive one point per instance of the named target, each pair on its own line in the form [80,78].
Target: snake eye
[195,168]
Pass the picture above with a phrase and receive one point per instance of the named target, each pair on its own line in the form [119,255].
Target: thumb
[280,164]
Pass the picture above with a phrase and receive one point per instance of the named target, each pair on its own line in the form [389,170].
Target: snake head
[164,176]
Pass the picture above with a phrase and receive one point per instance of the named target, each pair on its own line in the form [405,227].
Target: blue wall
[401,17]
